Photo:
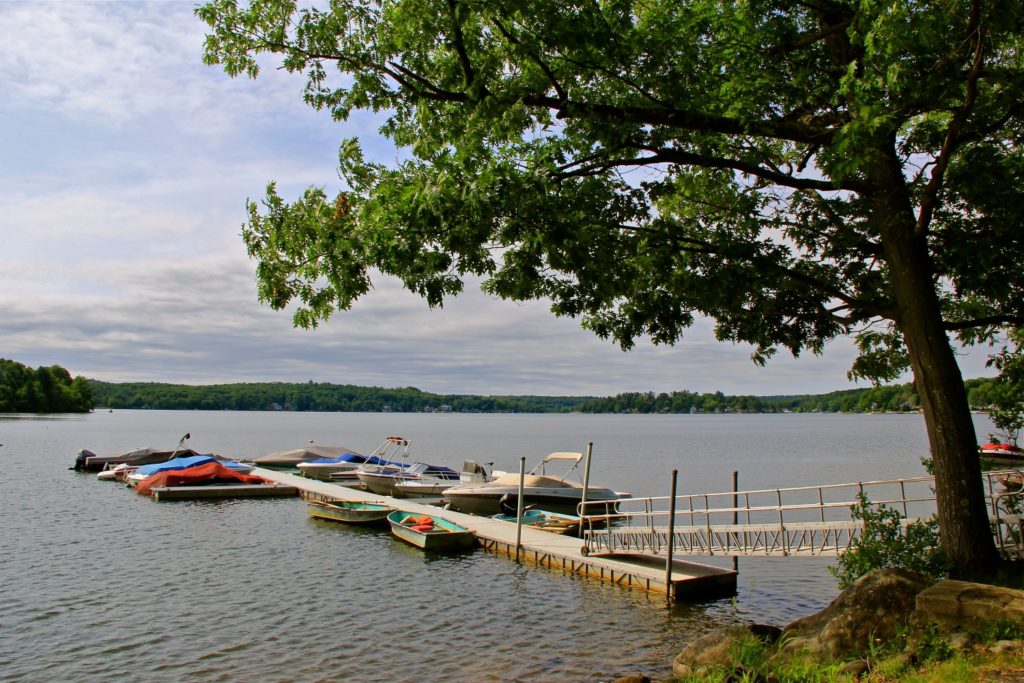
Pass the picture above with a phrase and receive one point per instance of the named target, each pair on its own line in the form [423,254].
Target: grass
[921,656]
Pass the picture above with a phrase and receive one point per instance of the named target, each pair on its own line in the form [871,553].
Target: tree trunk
[963,514]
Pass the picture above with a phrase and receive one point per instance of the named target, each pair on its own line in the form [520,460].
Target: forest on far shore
[43,390]
[321,396]
[52,390]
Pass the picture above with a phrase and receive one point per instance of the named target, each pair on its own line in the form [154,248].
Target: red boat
[1003,453]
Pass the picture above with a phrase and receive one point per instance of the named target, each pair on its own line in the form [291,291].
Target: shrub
[887,542]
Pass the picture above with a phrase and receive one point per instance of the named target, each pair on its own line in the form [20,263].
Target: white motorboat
[541,489]
[335,469]
[434,481]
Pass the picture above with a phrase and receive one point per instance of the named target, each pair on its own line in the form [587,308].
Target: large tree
[794,169]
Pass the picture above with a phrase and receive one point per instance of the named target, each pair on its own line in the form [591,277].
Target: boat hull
[484,500]
[444,535]
[349,512]
[1003,456]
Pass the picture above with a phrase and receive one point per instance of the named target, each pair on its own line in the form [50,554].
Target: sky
[125,166]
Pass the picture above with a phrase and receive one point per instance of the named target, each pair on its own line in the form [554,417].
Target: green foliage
[43,390]
[887,541]
[324,396]
[770,140]
[314,396]
[1006,396]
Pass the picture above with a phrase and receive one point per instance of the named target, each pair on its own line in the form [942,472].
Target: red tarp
[207,473]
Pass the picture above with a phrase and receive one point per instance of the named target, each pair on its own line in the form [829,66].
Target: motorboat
[434,480]
[214,472]
[389,458]
[87,461]
[541,489]
[429,532]
[1008,454]
[290,459]
[417,480]
[143,472]
[343,465]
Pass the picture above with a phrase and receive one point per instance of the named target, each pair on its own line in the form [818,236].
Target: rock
[633,678]
[961,603]
[872,609]
[958,642]
[718,647]
[856,668]
[1002,646]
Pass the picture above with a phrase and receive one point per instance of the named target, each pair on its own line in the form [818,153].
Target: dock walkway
[637,570]
[807,521]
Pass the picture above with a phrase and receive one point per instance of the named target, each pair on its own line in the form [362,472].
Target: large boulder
[872,609]
[719,647]
[965,604]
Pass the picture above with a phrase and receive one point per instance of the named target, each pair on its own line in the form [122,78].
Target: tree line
[316,396]
[326,397]
[43,390]
[893,398]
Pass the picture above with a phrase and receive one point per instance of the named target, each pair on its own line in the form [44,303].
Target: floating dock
[646,572]
[210,491]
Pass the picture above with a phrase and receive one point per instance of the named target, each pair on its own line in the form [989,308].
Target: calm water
[102,584]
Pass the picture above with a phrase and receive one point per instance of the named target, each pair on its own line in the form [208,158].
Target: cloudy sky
[125,164]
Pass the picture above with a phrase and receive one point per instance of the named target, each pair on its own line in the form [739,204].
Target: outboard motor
[509,505]
[80,460]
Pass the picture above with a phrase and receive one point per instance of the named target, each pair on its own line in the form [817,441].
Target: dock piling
[671,532]
[519,506]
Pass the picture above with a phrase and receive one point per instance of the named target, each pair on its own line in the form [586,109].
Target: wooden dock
[646,572]
[210,491]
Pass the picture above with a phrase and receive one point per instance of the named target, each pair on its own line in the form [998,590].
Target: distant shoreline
[327,397]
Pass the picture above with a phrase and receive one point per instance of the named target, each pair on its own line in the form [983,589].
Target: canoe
[351,512]
[429,532]
[546,521]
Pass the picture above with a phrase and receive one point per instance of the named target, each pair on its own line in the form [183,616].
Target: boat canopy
[567,456]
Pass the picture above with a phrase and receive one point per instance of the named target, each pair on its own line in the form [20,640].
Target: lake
[100,583]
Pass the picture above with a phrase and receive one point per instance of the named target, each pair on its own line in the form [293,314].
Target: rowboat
[351,512]
[429,532]
[545,521]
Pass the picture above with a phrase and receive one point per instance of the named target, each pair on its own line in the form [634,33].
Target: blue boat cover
[175,464]
[345,457]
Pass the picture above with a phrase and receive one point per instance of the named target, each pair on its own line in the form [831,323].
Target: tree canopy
[793,169]
[43,390]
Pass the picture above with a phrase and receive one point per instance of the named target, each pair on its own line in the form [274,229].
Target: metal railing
[807,521]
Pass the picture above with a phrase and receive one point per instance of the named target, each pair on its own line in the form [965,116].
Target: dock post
[581,509]
[519,506]
[671,540]
[736,513]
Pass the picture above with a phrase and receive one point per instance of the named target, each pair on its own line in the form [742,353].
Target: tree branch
[990,321]
[669,156]
[930,193]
